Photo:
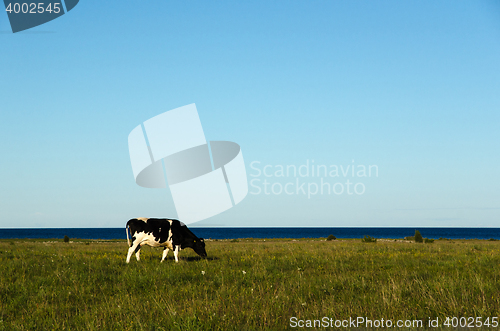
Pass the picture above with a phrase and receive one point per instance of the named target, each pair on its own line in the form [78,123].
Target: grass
[368,239]
[245,285]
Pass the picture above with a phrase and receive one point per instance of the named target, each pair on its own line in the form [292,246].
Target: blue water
[266,233]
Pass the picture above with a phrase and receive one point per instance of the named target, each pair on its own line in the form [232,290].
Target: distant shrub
[368,239]
[331,237]
[66,239]
[428,241]
[418,237]
[235,241]
[412,238]
[492,239]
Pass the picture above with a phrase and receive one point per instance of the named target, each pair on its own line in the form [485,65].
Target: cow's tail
[127,230]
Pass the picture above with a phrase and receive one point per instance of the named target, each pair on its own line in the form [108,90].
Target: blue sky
[410,86]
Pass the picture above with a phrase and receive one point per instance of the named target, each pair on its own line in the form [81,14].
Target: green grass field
[245,285]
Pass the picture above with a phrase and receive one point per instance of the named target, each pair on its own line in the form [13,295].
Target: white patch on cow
[144,219]
[130,252]
[164,255]
[147,239]
[176,253]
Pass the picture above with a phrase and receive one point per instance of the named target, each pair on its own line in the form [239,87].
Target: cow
[162,232]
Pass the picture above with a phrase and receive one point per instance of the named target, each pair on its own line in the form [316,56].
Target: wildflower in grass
[244,272]
[203,272]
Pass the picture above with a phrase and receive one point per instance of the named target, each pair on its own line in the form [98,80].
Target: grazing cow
[162,232]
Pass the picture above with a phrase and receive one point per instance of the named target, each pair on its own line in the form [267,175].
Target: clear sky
[412,87]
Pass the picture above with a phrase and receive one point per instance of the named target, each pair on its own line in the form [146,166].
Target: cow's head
[199,247]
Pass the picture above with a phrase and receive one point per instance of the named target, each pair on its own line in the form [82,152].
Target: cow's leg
[138,253]
[176,253]
[131,250]
[165,252]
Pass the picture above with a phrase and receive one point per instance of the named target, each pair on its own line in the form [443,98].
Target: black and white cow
[162,232]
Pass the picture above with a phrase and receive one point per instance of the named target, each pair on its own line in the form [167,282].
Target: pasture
[250,284]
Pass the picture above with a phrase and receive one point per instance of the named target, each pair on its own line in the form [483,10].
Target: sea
[262,233]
